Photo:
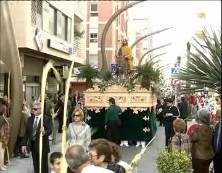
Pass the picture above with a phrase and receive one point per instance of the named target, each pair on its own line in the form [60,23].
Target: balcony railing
[79,47]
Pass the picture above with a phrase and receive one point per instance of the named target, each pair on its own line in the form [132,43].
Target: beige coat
[23,123]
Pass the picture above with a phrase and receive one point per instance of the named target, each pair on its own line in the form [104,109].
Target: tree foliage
[203,68]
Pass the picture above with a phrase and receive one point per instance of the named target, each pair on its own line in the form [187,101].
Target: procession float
[137,118]
[133,89]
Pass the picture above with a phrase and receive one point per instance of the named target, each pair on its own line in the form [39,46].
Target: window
[93,9]
[54,21]
[93,38]
[61,25]
[69,29]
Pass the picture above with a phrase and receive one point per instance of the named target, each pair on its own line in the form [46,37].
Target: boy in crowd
[55,162]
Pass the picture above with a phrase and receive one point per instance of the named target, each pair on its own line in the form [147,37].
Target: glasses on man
[35,109]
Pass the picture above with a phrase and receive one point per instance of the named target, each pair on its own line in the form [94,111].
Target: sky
[182,16]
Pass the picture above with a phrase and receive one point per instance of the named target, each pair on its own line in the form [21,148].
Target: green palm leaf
[88,72]
[204,67]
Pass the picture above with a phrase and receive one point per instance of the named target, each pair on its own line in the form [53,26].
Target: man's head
[76,156]
[112,101]
[36,108]
[169,102]
[100,151]
[55,161]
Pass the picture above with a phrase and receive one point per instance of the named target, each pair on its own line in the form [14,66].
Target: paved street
[146,165]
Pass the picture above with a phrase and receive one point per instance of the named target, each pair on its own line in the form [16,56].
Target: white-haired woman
[201,136]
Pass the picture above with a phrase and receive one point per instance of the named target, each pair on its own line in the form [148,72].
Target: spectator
[60,109]
[201,142]
[55,162]
[4,135]
[159,112]
[183,108]
[170,114]
[116,156]
[23,123]
[217,146]
[180,141]
[32,135]
[78,161]
[78,131]
[101,152]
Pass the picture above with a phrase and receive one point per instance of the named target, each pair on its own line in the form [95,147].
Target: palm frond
[204,66]
[88,72]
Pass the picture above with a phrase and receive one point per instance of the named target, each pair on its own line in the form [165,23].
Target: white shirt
[39,117]
[95,169]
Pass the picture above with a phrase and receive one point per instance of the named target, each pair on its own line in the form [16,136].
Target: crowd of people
[99,155]
[202,139]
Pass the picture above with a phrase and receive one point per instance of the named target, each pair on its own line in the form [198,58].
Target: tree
[88,72]
[204,67]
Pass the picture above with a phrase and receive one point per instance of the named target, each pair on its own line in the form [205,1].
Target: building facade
[44,30]
[99,12]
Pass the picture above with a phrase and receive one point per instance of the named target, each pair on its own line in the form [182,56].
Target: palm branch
[204,67]
[89,73]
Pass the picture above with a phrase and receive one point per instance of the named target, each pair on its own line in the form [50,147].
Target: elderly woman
[201,142]
[78,131]
[101,154]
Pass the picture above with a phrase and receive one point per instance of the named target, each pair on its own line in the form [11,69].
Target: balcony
[79,48]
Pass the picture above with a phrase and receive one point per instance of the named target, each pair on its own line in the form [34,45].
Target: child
[55,162]
[180,141]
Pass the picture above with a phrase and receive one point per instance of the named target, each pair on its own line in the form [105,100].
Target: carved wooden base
[139,99]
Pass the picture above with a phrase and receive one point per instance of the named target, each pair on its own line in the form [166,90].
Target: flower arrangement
[175,162]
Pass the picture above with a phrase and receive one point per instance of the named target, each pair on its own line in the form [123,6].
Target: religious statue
[124,60]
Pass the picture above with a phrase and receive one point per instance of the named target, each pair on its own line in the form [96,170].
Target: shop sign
[60,46]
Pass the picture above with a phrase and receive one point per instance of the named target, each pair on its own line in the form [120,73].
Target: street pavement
[146,164]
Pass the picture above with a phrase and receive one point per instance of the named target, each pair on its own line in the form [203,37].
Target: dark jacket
[183,108]
[27,141]
[217,144]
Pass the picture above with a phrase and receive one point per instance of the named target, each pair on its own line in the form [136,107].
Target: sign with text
[60,46]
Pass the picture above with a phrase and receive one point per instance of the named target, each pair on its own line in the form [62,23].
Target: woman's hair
[203,116]
[80,111]
[102,147]
[179,125]
[116,155]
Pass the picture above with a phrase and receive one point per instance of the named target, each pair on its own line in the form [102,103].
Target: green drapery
[133,126]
